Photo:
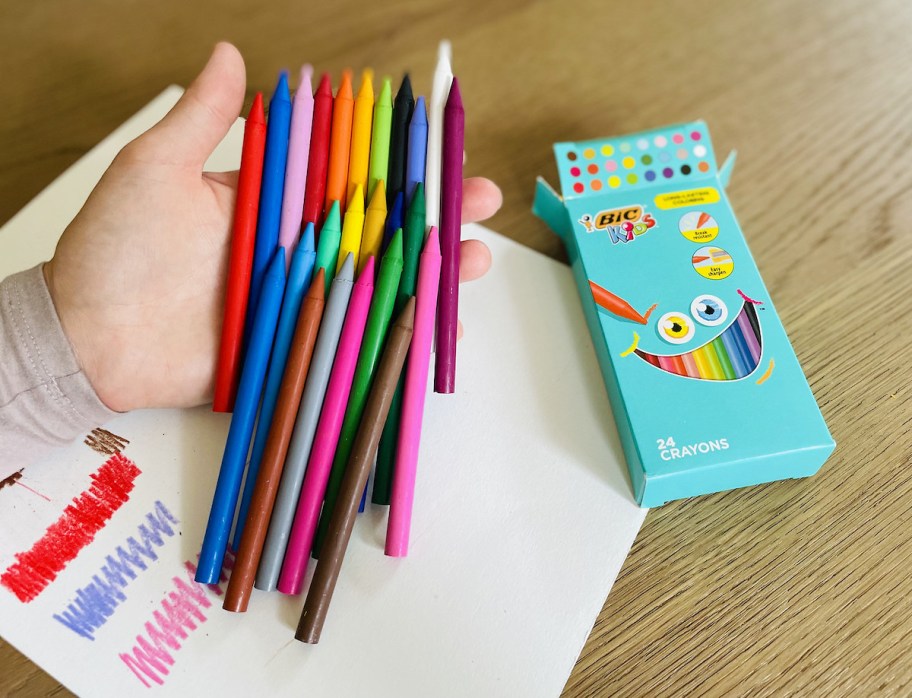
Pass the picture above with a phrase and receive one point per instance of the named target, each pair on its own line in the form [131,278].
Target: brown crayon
[356,473]
[267,483]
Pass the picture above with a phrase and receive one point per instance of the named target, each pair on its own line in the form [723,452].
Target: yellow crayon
[352,225]
[361,134]
[704,367]
[374,225]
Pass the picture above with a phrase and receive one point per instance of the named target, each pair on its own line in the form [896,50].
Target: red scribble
[749,300]
[34,491]
[73,531]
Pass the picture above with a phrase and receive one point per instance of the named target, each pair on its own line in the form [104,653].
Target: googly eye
[708,310]
[675,328]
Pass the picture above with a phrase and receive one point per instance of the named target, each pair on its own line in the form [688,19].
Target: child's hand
[138,278]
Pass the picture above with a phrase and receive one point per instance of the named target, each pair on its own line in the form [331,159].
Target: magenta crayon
[413,395]
[450,222]
[296,167]
[319,464]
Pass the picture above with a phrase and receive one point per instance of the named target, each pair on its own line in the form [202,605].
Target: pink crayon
[413,394]
[450,222]
[326,439]
[296,167]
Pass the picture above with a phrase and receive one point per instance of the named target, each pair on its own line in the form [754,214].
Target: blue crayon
[394,219]
[278,128]
[302,266]
[734,353]
[363,499]
[417,149]
[225,499]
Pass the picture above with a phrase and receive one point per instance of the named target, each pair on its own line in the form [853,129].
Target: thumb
[189,133]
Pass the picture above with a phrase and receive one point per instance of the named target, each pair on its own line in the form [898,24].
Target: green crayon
[378,320]
[414,239]
[727,369]
[328,245]
[380,138]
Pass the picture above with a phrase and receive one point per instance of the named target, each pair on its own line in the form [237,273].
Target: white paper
[523,513]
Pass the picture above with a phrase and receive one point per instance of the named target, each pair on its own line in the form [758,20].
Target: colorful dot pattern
[674,155]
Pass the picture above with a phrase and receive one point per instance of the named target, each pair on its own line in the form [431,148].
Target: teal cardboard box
[706,390]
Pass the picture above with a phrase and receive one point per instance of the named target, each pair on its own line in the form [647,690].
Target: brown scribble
[105,442]
[11,479]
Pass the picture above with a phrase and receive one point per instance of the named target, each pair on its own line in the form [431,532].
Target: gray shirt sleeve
[46,401]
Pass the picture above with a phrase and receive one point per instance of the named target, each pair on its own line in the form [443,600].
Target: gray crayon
[302,437]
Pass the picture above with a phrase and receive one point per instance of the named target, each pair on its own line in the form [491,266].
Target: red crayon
[318,164]
[241,260]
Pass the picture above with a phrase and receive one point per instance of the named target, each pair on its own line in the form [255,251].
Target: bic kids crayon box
[706,390]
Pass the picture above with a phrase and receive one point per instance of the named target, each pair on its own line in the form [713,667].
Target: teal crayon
[329,244]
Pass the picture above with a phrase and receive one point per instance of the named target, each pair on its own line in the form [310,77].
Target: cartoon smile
[732,354]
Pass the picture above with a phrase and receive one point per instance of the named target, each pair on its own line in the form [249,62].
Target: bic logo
[621,224]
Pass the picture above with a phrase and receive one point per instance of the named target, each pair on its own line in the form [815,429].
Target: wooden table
[797,588]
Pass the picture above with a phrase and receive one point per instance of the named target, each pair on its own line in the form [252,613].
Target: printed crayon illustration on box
[690,345]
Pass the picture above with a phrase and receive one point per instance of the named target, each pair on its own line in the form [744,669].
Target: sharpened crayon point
[419,116]
[282,92]
[325,86]
[356,205]
[405,90]
[304,86]
[366,91]
[345,87]
[454,101]
[367,274]
[386,91]
[257,113]
[308,238]
[445,55]
[347,270]
[378,200]
[432,245]
[395,250]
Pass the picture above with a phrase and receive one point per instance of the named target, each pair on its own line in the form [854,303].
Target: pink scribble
[748,299]
[180,613]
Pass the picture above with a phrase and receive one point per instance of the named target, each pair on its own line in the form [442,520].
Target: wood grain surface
[793,588]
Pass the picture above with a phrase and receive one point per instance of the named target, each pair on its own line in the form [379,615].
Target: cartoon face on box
[698,324]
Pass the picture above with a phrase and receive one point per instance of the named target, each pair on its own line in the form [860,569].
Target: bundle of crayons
[327,335]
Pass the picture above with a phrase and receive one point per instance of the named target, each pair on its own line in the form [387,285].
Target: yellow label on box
[688,197]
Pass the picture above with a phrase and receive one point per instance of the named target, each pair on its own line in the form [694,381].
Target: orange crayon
[617,305]
[340,144]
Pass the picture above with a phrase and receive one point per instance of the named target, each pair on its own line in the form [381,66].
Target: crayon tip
[345,88]
[406,319]
[445,56]
[405,90]
[432,245]
[367,274]
[332,218]
[318,285]
[356,205]
[304,86]
[308,241]
[378,200]
[325,86]
[281,90]
[454,101]
[394,249]
[386,91]
[366,91]
[257,114]
[347,270]
[418,203]
[419,116]
[276,268]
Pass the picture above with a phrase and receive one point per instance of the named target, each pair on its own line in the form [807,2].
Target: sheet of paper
[522,520]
